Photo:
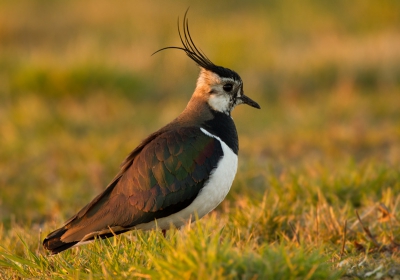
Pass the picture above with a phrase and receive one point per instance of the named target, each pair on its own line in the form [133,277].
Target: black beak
[249,101]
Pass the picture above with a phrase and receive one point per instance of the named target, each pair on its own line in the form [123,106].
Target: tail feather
[89,223]
[54,244]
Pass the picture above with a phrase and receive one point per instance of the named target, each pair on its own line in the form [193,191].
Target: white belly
[210,196]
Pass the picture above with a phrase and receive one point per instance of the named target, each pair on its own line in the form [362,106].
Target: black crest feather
[189,47]
[196,54]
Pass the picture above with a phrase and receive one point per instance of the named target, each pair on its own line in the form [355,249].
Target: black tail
[73,232]
[54,244]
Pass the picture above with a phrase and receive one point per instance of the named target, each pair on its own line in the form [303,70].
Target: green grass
[79,91]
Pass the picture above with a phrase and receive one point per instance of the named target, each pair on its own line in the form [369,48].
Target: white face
[223,93]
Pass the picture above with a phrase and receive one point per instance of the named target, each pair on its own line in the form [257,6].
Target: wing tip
[54,244]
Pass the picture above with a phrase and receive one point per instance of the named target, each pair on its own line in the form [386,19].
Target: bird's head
[220,87]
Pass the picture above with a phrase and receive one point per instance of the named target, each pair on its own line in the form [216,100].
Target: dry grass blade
[344,238]
[367,231]
[295,233]
[386,215]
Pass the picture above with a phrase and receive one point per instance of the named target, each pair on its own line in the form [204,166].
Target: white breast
[210,196]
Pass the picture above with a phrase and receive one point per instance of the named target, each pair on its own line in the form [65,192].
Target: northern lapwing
[182,170]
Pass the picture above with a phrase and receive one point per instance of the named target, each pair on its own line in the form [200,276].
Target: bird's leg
[164,232]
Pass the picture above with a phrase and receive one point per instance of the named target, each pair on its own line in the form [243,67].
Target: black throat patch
[223,126]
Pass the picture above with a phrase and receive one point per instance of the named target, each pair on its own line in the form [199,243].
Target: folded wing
[161,177]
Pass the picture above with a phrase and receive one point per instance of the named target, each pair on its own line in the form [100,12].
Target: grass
[79,92]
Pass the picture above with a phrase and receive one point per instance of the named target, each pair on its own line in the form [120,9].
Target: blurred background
[79,89]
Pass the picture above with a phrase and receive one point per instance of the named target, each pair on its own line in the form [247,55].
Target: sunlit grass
[300,178]
[78,92]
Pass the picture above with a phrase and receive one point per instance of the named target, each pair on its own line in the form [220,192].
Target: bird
[177,174]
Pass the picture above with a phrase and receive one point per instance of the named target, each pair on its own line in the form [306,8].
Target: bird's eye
[228,87]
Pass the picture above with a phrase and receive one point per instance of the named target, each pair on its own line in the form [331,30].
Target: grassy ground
[79,90]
